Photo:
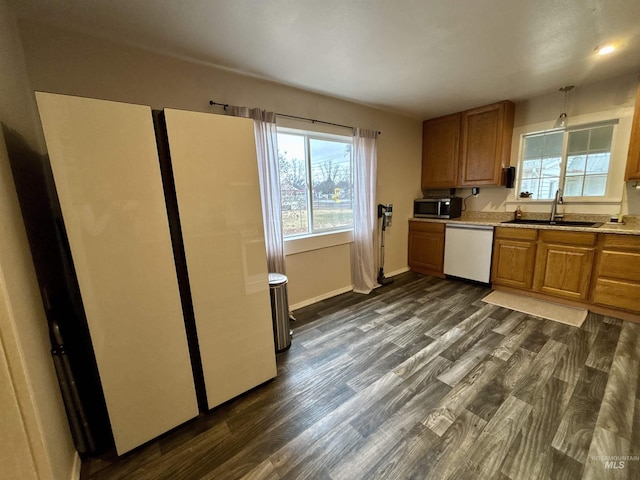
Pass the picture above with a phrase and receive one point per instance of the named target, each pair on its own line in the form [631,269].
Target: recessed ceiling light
[605,49]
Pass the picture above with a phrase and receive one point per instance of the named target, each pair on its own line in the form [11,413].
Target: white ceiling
[423,58]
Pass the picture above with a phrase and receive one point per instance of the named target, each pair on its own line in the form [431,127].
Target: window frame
[605,198]
[335,236]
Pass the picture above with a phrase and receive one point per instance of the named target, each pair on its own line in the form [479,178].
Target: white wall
[75,64]
[35,442]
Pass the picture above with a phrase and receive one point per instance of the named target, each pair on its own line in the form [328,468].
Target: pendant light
[561,122]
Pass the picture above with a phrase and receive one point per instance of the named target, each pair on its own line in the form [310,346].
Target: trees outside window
[315,182]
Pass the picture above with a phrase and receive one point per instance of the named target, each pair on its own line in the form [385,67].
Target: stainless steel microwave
[437,207]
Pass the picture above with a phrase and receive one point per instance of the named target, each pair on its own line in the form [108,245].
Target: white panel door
[107,175]
[216,178]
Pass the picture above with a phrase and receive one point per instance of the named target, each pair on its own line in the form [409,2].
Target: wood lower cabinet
[564,262]
[426,248]
[595,271]
[633,159]
[440,150]
[617,278]
[514,254]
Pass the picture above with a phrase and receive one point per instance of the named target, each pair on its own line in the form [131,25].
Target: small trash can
[280,311]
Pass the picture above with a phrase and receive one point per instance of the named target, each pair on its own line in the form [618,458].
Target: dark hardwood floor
[420,379]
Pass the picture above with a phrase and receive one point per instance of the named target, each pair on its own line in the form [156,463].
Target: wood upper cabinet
[426,248]
[468,148]
[514,254]
[440,150]
[564,262]
[617,279]
[633,160]
[485,143]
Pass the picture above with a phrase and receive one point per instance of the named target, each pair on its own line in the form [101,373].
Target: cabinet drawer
[622,265]
[619,294]
[516,233]
[426,227]
[573,238]
[612,240]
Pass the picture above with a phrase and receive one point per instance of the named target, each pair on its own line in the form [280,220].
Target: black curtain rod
[312,120]
[223,105]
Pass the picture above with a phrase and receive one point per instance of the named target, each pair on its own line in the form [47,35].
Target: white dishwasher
[467,251]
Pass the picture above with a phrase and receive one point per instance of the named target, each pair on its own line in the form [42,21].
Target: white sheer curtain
[264,124]
[365,165]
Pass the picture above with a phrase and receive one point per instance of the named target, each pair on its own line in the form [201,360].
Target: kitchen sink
[558,223]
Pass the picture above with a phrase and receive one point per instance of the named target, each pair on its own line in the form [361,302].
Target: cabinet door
[107,175]
[485,143]
[564,270]
[216,178]
[426,248]
[513,263]
[633,159]
[440,150]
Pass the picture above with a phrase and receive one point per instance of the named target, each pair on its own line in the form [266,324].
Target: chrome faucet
[554,206]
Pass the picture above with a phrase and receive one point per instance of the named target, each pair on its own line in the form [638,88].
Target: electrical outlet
[475,191]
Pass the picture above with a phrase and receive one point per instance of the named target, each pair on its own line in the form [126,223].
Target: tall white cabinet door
[216,179]
[106,170]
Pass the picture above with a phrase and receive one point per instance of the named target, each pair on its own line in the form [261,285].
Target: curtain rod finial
[214,103]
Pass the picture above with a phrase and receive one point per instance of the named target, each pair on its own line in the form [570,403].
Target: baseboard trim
[397,272]
[324,296]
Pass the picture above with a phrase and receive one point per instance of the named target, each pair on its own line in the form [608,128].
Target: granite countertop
[630,225]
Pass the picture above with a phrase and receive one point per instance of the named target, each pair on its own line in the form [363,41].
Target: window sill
[318,241]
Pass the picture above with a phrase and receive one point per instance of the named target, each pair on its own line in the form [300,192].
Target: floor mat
[531,306]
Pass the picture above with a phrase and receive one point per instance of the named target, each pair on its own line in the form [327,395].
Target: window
[576,161]
[315,182]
